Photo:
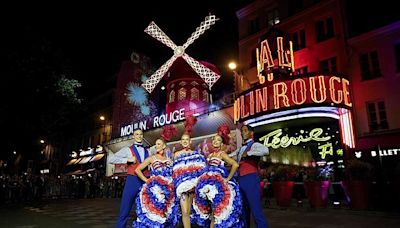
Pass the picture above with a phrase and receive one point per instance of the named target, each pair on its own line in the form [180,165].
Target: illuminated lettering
[283,59]
[301,91]
[322,89]
[261,100]
[282,94]
[339,98]
[275,139]
[251,103]
[295,91]
[346,93]
[326,149]
[243,108]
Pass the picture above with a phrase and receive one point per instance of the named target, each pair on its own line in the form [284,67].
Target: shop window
[182,94]
[273,17]
[397,53]
[328,65]
[299,40]
[301,70]
[377,116]
[194,94]
[324,29]
[182,83]
[205,95]
[194,83]
[369,64]
[254,26]
[172,96]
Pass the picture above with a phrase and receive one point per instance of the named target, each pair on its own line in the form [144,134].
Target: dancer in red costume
[188,166]
[155,205]
[218,202]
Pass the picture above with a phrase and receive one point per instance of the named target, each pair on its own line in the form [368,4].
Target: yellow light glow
[232,65]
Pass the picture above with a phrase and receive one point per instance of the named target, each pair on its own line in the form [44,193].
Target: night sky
[90,41]
[95,39]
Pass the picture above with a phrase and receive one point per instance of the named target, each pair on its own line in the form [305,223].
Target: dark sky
[92,39]
[96,38]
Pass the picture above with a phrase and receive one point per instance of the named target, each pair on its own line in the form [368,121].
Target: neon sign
[275,139]
[322,89]
[265,61]
[157,121]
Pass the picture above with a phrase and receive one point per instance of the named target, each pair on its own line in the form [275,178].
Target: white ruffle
[228,209]
[185,186]
[149,214]
[158,192]
[208,191]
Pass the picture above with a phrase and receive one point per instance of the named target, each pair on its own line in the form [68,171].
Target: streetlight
[232,66]
[103,118]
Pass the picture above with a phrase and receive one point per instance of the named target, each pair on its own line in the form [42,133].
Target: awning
[76,172]
[383,141]
[73,161]
[85,160]
[96,157]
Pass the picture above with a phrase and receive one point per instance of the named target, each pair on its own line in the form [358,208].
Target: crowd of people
[29,188]
[191,188]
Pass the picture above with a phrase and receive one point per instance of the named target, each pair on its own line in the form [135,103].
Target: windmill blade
[154,31]
[209,76]
[206,24]
[156,77]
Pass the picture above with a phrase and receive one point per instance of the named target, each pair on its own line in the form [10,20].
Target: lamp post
[232,66]
[103,119]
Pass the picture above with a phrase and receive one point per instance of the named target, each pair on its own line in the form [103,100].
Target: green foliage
[66,87]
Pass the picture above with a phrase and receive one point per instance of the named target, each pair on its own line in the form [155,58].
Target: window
[328,65]
[172,96]
[302,70]
[205,95]
[254,26]
[182,94]
[299,40]
[295,6]
[194,94]
[397,53]
[272,17]
[369,64]
[324,29]
[377,116]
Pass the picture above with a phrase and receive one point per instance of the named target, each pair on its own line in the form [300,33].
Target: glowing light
[41,141]
[277,95]
[322,89]
[232,65]
[293,117]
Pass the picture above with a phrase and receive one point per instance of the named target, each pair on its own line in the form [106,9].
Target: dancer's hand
[132,160]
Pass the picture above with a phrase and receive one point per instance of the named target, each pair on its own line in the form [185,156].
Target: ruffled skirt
[155,205]
[214,195]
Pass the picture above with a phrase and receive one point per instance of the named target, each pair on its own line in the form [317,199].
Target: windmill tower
[185,89]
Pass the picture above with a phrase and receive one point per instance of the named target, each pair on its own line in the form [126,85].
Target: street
[102,213]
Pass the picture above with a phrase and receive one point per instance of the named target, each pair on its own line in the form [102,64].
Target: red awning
[383,141]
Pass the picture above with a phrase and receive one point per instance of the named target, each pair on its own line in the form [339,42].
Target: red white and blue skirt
[155,205]
[214,195]
[187,168]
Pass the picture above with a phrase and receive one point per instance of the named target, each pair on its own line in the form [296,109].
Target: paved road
[102,213]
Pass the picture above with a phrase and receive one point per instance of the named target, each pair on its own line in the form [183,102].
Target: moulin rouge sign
[285,94]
